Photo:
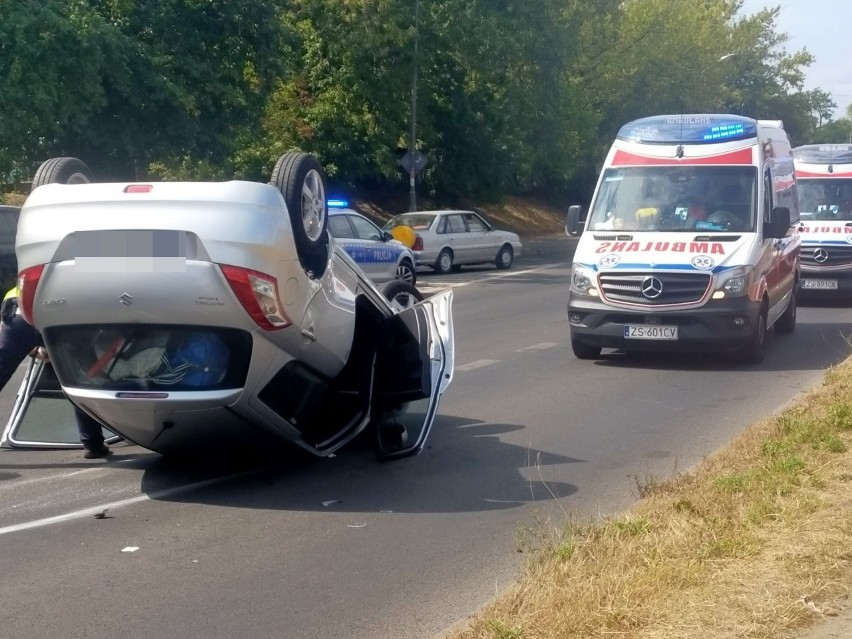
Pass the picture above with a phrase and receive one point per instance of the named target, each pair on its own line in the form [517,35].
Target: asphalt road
[268,543]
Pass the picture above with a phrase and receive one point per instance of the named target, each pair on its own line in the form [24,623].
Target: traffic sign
[413,161]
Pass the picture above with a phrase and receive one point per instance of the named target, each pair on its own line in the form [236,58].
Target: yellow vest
[13,292]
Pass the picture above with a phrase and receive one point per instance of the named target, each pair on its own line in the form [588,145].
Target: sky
[823,28]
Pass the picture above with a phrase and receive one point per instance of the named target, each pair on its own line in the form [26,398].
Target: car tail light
[258,293]
[27,284]
[418,243]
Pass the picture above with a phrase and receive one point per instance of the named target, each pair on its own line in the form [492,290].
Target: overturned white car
[183,312]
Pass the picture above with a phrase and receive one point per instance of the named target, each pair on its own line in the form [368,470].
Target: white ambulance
[824,179]
[690,242]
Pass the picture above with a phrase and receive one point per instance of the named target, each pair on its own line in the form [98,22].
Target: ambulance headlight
[583,281]
[734,283]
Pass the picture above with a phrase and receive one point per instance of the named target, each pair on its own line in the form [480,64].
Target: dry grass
[13,199]
[755,543]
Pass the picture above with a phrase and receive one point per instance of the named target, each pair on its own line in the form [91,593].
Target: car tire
[755,350]
[584,351]
[405,272]
[504,257]
[786,323]
[65,170]
[401,294]
[444,263]
[302,181]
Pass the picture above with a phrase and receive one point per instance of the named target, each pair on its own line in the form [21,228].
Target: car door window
[475,223]
[338,226]
[455,224]
[366,230]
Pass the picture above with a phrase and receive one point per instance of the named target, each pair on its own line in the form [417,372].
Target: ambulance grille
[826,255]
[653,288]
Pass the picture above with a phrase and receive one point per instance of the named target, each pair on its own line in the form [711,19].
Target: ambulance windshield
[666,198]
[825,198]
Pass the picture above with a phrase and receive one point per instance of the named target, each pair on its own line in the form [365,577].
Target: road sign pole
[412,142]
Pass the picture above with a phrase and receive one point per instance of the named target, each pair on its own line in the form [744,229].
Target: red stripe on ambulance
[625,158]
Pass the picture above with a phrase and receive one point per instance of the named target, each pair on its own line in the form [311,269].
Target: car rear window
[415,221]
[149,357]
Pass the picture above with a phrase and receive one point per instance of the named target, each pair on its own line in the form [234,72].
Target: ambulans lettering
[823,229]
[713,248]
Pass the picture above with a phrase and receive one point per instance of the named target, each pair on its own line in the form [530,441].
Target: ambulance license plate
[649,331]
[819,284]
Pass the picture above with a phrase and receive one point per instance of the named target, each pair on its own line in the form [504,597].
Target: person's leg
[91,435]
[17,339]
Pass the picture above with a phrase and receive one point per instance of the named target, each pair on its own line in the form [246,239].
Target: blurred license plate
[649,331]
[831,284]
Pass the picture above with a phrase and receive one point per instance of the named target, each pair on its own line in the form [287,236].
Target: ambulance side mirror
[572,220]
[779,222]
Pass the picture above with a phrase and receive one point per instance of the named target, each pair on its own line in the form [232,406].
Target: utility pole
[412,142]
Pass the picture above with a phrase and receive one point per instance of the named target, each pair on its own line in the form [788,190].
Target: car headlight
[583,281]
[734,283]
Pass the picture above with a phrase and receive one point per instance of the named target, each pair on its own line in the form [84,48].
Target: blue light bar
[337,203]
[689,129]
[824,153]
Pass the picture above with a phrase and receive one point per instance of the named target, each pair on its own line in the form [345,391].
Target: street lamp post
[412,172]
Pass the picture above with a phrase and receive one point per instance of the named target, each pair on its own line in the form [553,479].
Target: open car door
[414,366]
[42,416]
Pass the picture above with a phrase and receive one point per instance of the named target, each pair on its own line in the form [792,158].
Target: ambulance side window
[767,194]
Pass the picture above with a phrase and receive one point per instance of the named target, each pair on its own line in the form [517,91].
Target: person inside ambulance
[728,203]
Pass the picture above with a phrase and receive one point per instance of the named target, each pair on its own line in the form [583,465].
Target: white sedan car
[445,240]
[183,313]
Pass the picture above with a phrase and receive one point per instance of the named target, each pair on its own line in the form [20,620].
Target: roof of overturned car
[181,312]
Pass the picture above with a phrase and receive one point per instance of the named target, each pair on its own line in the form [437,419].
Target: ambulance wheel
[504,257]
[755,350]
[302,181]
[584,351]
[401,295]
[62,171]
[786,323]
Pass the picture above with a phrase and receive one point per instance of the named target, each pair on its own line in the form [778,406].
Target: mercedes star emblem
[652,287]
[820,255]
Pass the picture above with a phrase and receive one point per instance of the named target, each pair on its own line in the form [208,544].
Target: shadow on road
[465,468]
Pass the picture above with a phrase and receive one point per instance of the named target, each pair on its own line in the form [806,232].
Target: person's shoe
[96,453]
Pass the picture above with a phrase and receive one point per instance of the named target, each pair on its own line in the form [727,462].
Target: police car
[379,255]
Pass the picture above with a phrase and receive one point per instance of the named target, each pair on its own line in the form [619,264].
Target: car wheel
[755,350]
[584,351]
[62,171]
[406,273]
[401,295]
[504,257]
[444,263]
[787,322]
[302,181]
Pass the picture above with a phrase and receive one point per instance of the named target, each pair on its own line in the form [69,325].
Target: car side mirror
[572,220]
[779,222]
[387,236]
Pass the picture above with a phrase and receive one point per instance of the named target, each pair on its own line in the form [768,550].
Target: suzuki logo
[125,299]
[652,287]
[820,255]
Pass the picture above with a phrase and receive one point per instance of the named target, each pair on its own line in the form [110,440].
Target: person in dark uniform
[18,339]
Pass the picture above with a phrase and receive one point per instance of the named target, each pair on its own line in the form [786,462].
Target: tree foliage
[511,96]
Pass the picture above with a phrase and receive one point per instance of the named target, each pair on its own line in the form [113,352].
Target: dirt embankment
[524,216]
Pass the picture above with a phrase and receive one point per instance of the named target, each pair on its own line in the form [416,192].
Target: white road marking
[480,363]
[543,346]
[424,286]
[93,510]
